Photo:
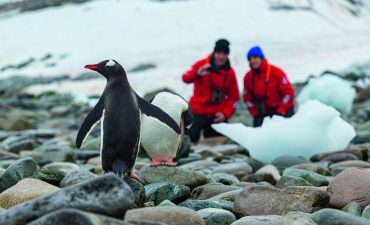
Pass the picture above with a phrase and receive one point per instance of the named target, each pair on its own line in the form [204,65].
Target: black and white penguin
[119,110]
[160,142]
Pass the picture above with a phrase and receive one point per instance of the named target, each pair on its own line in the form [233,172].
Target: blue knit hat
[255,51]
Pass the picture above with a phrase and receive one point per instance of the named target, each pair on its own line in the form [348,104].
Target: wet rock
[51,176]
[213,216]
[93,144]
[76,177]
[276,220]
[311,177]
[21,169]
[366,212]
[255,164]
[65,167]
[352,163]
[224,178]
[283,162]
[313,168]
[138,190]
[334,217]
[107,194]
[355,150]
[172,175]
[210,190]
[258,220]
[167,203]
[200,164]
[265,200]
[15,144]
[201,204]
[351,185]
[227,196]
[255,178]
[270,169]
[25,190]
[353,208]
[340,157]
[192,158]
[170,215]
[76,217]
[94,161]
[158,192]
[238,169]
[288,181]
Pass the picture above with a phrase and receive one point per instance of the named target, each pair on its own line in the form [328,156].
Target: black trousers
[258,120]
[201,122]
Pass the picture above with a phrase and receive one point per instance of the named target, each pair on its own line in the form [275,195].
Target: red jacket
[279,96]
[224,80]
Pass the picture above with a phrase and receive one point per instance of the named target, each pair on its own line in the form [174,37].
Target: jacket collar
[262,69]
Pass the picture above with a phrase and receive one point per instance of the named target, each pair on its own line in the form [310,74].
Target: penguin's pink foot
[135,176]
[155,163]
[169,163]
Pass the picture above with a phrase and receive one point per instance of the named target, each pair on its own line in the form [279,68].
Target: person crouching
[267,90]
[215,91]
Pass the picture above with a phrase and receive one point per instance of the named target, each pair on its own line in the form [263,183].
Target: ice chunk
[315,128]
[330,90]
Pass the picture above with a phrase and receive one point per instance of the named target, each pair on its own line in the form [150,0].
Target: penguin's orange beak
[91,67]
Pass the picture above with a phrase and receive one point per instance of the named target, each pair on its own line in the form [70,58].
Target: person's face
[220,58]
[255,62]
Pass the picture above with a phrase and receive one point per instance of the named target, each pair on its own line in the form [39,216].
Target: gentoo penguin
[160,142]
[119,110]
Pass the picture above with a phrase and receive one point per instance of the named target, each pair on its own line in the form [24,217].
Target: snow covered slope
[173,34]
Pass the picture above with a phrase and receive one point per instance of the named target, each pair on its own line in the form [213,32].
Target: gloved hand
[281,111]
[219,117]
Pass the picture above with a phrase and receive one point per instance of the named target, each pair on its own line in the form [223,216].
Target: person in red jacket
[267,90]
[215,91]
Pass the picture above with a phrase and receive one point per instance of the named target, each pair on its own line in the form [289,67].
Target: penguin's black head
[108,68]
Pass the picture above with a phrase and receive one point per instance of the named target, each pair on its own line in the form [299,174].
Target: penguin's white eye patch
[110,63]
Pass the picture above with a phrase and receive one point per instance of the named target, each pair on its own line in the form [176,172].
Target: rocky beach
[44,179]
[45,95]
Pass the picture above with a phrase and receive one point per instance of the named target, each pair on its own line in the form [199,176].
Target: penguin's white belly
[159,141]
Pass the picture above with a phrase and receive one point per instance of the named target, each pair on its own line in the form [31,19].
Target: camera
[213,69]
[216,96]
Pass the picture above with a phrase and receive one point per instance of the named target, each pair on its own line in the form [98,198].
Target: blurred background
[157,40]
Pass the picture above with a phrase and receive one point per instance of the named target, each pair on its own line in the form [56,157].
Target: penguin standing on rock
[119,110]
[160,142]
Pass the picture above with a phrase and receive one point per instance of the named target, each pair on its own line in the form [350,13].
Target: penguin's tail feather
[120,168]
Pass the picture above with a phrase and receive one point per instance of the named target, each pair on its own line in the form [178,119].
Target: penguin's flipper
[153,111]
[90,122]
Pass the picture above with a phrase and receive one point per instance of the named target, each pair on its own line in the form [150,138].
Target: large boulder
[107,194]
[158,192]
[311,177]
[76,177]
[25,190]
[238,169]
[210,190]
[213,216]
[351,185]
[335,217]
[76,217]
[170,215]
[21,169]
[175,175]
[266,200]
